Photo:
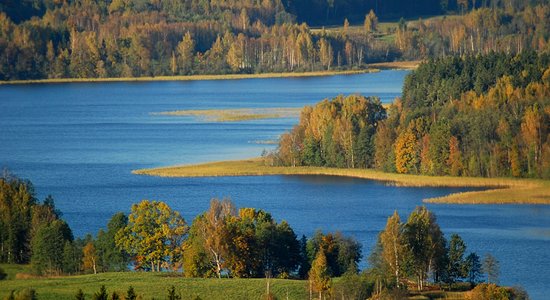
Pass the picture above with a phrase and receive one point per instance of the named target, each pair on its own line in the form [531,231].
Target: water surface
[80,142]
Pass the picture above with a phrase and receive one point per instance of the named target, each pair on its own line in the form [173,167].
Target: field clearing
[195,77]
[233,115]
[155,285]
[499,190]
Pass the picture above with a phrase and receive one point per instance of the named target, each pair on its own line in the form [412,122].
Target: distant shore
[496,190]
[399,65]
[195,77]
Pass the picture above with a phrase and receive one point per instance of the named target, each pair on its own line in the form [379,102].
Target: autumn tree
[406,159]
[186,50]
[531,129]
[319,277]
[154,235]
[326,54]
[455,157]
[371,22]
[393,246]
[214,232]
[89,259]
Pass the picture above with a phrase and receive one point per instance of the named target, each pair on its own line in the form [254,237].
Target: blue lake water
[80,142]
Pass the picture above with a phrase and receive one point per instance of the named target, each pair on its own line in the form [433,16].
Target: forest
[484,115]
[136,38]
[239,243]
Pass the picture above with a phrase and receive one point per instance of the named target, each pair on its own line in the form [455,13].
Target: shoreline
[498,190]
[192,77]
[396,65]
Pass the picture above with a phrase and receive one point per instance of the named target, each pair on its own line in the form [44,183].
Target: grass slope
[194,77]
[149,285]
[499,190]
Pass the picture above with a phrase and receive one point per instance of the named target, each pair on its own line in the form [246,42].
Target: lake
[80,142]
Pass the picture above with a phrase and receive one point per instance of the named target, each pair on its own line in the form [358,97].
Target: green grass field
[499,190]
[155,285]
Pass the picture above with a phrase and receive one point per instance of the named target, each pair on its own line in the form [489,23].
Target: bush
[3,274]
[488,291]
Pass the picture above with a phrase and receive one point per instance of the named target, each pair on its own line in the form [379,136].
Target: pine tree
[172,294]
[131,294]
[101,294]
[79,295]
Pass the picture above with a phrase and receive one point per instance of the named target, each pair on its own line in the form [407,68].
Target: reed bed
[495,190]
[194,77]
[234,115]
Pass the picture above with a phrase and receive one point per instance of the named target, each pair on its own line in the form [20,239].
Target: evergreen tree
[455,269]
[101,294]
[79,295]
[131,294]
[172,295]
[472,267]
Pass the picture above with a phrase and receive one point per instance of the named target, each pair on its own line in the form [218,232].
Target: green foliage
[131,294]
[342,254]
[353,286]
[79,295]
[472,268]
[172,295]
[414,249]
[24,294]
[334,133]
[486,291]
[110,257]
[16,200]
[456,263]
[154,234]
[3,274]
[250,244]
[101,294]
[454,120]
[48,246]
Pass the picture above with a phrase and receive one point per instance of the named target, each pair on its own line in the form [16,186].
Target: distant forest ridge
[313,12]
[136,38]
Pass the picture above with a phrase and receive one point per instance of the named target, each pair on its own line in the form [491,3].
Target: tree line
[485,115]
[511,28]
[134,38]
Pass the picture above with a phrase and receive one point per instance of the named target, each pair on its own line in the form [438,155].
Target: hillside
[139,38]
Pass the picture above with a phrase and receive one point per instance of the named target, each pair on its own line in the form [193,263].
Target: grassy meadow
[155,285]
[496,190]
[195,77]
